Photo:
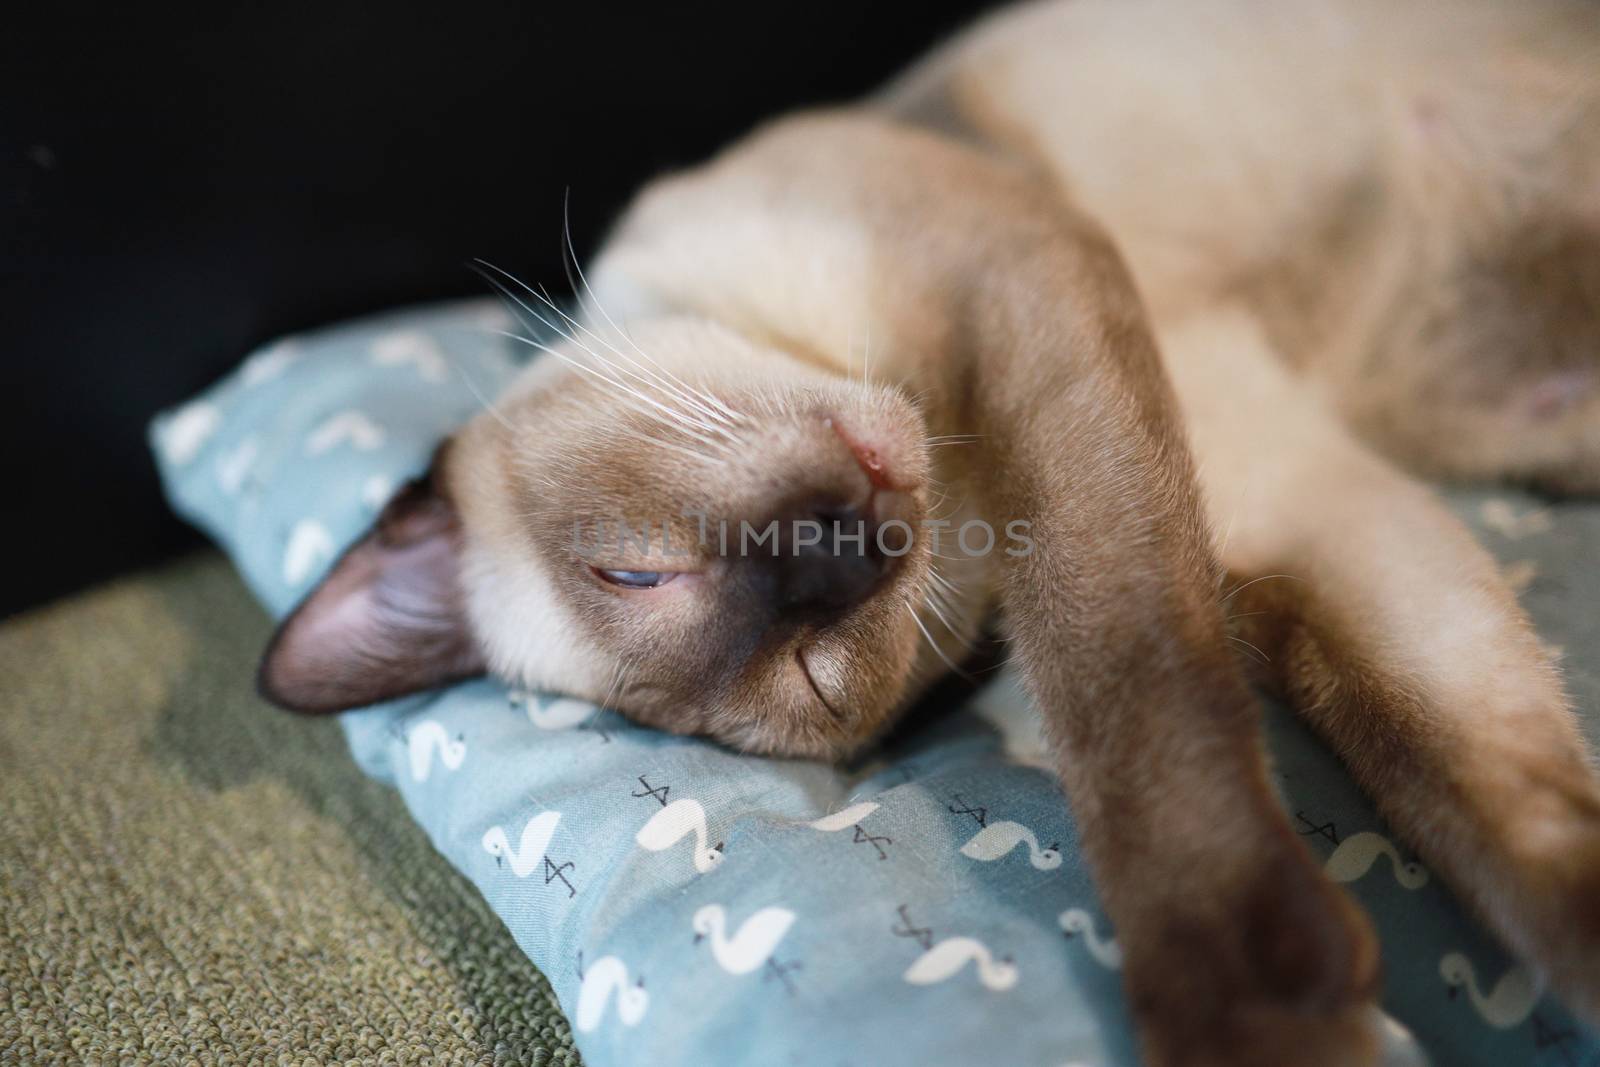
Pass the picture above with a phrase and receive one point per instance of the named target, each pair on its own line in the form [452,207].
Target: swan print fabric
[928,906]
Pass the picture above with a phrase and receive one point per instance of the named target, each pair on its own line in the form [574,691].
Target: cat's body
[1400,195]
[918,309]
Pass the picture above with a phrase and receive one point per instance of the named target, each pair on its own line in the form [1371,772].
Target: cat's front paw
[1565,904]
[1287,973]
[1272,1035]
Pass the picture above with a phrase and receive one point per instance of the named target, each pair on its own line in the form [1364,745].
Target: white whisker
[472,388]
[866,357]
[660,378]
[692,426]
[1239,640]
[953,631]
[935,645]
[626,395]
[1236,590]
[950,587]
[566,223]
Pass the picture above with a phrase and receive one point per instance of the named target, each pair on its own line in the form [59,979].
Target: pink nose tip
[869,455]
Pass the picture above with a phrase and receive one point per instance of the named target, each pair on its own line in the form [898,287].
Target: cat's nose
[832,556]
[873,453]
[831,561]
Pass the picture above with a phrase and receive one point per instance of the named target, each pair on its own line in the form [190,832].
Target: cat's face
[637,532]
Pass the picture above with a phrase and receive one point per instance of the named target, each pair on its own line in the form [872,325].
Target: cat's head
[649,520]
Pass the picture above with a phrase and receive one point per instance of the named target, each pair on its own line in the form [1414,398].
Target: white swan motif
[363,434]
[603,976]
[187,431]
[536,837]
[1357,853]
[675,822]
[751,945]
[952,954]
[414,347]
[310,546]
[560,713]
[843,820]
[421,742]
[233,466]
[269,363]
[998,839]
[1076,922]
[1508,1004]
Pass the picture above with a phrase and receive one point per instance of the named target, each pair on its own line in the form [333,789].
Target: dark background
[176,190]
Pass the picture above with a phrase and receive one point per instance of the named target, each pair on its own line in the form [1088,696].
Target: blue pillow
[694,906]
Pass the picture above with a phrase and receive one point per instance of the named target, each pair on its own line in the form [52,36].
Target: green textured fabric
[190,877]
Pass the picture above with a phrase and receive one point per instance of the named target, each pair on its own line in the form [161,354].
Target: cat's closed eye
[635,579]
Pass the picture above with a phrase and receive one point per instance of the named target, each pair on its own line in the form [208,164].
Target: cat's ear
[388,620]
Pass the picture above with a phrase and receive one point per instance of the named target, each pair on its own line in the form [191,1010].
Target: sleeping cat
[1177,301]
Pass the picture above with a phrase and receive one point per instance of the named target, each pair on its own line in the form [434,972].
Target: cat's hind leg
[1395,636]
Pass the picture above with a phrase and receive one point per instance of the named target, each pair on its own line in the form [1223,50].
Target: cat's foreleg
[1238,950]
